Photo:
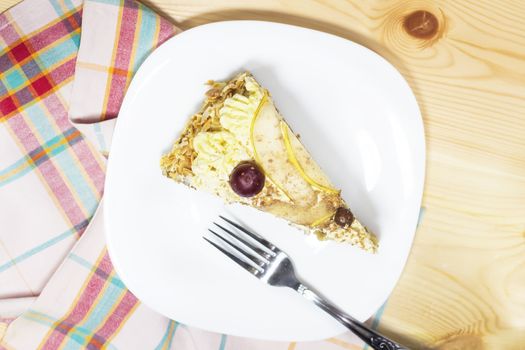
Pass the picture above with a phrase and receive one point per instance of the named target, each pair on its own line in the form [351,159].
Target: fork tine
[242,263]
[253,235]
[256,259]
[250,245]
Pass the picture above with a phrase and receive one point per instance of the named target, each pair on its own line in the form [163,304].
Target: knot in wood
[421,24]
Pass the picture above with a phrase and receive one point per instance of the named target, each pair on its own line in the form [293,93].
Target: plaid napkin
[64,68]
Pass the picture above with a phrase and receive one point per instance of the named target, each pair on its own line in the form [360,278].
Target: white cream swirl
[238,111]
[217,154]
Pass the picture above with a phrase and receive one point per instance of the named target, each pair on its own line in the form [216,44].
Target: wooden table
[464,284]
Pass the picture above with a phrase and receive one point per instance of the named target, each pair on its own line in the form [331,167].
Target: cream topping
[218,152]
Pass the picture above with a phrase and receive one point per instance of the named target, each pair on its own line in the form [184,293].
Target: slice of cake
[240,148]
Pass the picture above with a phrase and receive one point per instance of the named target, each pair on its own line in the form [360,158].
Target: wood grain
[464,284]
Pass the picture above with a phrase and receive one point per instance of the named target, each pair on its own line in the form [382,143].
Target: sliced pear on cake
[302,161]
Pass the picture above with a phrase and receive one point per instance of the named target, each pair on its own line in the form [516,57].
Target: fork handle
[369,336]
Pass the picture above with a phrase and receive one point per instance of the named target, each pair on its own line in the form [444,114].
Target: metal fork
[273,266]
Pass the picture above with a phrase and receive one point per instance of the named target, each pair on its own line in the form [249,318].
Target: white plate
[356,115]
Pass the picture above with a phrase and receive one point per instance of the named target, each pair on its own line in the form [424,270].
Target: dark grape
[343,217]
[247,179]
